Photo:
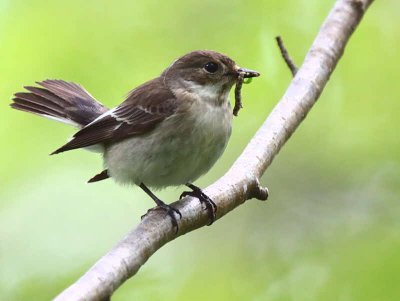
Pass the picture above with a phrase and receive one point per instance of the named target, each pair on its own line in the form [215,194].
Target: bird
[168,131]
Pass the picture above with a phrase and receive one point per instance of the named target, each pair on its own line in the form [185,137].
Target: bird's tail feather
[59,100]
[99,177]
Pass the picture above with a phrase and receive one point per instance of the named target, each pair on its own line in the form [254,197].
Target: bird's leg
[203,198]
[161,205]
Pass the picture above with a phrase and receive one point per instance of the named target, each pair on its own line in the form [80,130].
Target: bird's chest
[204,130]
[199,138]
[211,128]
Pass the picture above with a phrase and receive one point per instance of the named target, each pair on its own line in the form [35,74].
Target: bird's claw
[171,211]
[211,207]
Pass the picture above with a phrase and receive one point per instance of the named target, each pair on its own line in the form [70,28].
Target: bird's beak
[248,73]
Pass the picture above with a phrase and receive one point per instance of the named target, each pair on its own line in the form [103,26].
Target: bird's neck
[215,94]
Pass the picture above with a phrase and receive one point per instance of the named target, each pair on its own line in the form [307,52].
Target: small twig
[285,54]
[238,95]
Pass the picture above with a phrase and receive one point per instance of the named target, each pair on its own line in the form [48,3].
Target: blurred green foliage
[330,230]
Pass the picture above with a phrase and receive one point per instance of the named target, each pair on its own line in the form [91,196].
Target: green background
[330,230]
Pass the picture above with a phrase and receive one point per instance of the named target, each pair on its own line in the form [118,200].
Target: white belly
[179,150]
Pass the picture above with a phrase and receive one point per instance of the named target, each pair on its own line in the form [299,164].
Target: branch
[241,182]
[285,54]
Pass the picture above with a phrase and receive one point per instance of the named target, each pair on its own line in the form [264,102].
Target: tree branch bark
[241,182]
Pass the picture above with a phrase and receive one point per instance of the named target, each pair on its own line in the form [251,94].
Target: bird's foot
[171,212]
[196,192]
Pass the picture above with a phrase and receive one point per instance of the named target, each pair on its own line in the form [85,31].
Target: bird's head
[206,73]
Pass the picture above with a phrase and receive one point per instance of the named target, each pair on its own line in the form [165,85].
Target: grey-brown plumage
[185,92]
[169,131]
[144,108]
[60,100]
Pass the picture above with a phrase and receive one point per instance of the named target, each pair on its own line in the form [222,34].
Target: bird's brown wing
[141,112]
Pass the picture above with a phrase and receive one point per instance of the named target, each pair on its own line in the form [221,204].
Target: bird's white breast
[177,151]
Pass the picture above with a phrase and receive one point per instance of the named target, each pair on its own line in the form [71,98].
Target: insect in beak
[242,74]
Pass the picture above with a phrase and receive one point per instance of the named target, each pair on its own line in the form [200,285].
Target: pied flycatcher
[169,131]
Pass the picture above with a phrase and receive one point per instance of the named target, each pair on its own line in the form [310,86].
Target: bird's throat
[217,94]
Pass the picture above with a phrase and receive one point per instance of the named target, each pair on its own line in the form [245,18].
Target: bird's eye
[211,67]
